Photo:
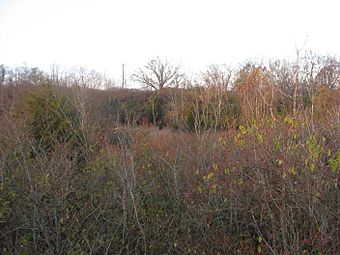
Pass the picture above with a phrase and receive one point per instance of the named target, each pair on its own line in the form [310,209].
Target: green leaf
[260,239]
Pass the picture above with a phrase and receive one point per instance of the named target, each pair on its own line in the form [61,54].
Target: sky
[103,34]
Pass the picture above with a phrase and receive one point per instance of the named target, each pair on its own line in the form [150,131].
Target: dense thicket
[232,162]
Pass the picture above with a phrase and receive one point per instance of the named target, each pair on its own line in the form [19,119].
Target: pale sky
[103,34]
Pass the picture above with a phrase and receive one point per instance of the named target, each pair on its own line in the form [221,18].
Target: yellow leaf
[213,188]
[209,176]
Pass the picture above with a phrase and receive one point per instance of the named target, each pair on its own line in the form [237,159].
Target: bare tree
[329,75]
[158,74]
[217,79]
[217,76]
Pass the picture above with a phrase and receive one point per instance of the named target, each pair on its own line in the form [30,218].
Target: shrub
[51,119]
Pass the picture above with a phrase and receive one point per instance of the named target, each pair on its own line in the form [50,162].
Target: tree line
[219,97]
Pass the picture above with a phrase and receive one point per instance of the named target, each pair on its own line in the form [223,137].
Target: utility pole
[2,84]
[123,76]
